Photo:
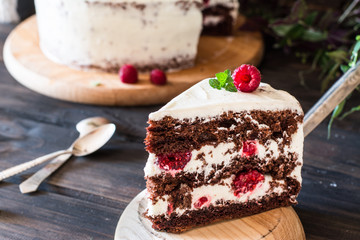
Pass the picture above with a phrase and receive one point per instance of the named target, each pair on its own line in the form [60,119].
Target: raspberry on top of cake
[227,147]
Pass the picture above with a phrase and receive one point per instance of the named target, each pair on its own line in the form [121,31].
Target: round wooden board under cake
[280,223]
[28,65]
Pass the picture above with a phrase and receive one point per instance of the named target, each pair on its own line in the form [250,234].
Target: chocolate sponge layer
[170,135]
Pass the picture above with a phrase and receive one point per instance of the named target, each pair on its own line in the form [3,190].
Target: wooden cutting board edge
[29,66]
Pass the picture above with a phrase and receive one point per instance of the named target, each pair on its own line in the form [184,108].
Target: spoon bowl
[94,140]
[83,127]
[85,145]
[88,124]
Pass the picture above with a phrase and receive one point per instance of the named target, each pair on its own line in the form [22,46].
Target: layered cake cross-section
[216,154]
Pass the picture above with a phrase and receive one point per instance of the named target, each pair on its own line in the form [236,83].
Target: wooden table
[85,198]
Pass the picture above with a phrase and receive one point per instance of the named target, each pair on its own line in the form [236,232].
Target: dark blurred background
[25,8]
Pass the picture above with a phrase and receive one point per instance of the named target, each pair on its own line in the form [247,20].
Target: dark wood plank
[54,216]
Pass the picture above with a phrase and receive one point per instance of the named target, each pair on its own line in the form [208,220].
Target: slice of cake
[106,34]
[219,16]
[218,152]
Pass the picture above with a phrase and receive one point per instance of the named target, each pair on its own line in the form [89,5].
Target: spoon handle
[32,183]
[25,166]
[337,93]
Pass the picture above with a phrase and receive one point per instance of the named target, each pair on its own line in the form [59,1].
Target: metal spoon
[83,127]
[81,147]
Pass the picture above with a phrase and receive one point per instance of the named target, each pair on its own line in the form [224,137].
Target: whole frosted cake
[148,34]
[107,34]
[217,153]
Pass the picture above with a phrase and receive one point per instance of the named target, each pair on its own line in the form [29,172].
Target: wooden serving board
[280,223]
[28,65]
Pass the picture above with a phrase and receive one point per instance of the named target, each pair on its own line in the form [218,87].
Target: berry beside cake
[227,147]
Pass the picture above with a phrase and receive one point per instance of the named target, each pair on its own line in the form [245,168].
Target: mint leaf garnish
[229,80]
[221,77]
[223,80]
[214,83]
[231,87]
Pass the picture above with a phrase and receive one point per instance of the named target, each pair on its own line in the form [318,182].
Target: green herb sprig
[223,80]
[318,35]
[339,108]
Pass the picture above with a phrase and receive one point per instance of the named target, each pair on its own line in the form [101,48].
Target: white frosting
[8,11]
[84,32]
[203,101]
[297,145]
[217,192]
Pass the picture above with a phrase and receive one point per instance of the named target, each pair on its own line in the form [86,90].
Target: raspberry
[173,161]
[249,148]
[170,209]
[201,201]
[247,181]
[128,74]
[158,77]
[246,78]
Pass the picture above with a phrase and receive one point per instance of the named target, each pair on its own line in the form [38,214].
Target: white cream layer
[213,155]
[215,193]
[81,33]
[203,101]
[220,154]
